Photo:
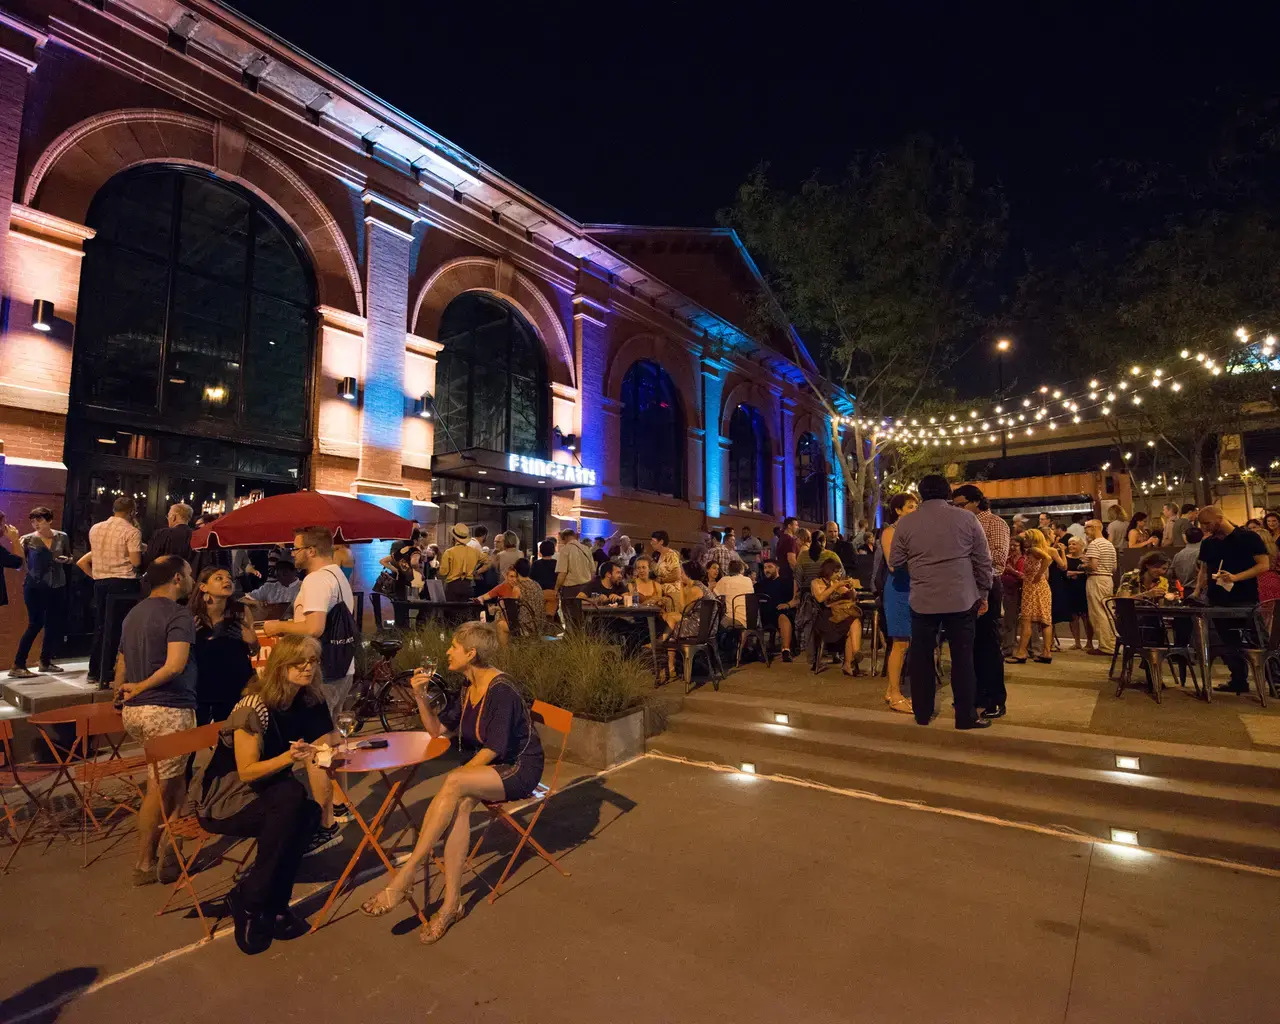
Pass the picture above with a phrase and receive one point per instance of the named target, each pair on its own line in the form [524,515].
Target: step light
[781,719]
[1128,763]
[1124,837]
[750,769]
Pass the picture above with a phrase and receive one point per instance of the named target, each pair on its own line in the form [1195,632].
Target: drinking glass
[346,723]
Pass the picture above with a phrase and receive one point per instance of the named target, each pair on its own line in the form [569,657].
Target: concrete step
[1052,747]
[1024,796]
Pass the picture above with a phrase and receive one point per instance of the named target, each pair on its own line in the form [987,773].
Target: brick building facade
[394,227]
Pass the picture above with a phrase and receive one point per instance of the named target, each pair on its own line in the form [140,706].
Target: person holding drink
[494,726]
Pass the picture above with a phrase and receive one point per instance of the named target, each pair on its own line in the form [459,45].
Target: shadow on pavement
[52,993]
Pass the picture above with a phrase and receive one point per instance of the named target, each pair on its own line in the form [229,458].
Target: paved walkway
[1072,693]
[697,896]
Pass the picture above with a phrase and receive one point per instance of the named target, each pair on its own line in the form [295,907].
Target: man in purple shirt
[945,553]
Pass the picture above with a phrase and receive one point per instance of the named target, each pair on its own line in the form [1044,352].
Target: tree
[878,272]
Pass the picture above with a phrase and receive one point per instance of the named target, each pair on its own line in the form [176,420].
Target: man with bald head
[1231,559]
[1100,563]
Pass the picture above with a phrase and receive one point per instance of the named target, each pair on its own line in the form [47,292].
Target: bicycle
[386,694]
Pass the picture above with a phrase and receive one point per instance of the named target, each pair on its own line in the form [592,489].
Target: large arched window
[195,307]
[652,447]
[811,479]
[750,457]
[491,379]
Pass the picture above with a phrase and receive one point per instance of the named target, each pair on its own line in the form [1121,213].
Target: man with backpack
[324,609]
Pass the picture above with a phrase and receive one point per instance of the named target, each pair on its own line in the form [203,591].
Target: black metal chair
[511,609]
[1146,638]
[1246,638]
[873,629]
[752,629]
[700,622]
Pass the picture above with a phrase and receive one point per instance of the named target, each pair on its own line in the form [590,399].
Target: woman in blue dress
[897,610]
[493,725]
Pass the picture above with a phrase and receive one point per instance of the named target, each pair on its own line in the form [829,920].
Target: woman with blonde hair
[1037,598]
[494,727]
[248,789]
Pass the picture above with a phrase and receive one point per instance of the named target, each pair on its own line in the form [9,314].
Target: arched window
[811,479]
[491,379]
[195,306]
[652,445]
[750,457]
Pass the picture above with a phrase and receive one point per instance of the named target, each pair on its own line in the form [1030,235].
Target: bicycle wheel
[396,705]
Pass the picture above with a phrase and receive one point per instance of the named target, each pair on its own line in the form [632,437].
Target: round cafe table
[396,764]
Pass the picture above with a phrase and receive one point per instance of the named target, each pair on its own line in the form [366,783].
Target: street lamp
[1002,346]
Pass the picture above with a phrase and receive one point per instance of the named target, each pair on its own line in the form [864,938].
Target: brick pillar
[835,479]
[18,56]
[713,374]
[788,457]
[590,351]
[388,257]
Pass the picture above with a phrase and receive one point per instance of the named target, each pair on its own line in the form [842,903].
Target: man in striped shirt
[1100,561]
[988,657]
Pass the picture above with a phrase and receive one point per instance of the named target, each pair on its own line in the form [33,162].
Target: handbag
[386,583]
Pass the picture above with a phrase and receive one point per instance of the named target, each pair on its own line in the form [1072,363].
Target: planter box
[600,744]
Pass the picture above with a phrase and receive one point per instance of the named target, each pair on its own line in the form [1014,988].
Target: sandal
[902,705]
[1015,661]
[855,671]
[433,931]
[1043,661]
[378,906]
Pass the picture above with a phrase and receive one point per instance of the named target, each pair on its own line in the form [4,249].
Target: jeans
[988,658]
[959,629]
[102,653]
[283,818]
[44,611]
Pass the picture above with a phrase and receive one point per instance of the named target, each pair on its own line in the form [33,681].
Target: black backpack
[338,642]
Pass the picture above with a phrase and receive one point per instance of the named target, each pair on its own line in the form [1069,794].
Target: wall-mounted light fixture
[347,388]
[424,406]
[42,315]
[569,442]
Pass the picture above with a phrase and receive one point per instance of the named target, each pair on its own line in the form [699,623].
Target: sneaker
[786,655]
[288,925]
[324,839]
[144,876]
[342,813]
[51,667]
[19,672]
[92,680]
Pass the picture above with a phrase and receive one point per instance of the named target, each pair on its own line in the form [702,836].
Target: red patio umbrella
[274,520]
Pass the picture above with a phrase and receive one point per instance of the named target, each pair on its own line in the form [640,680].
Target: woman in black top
[225,645]
[494,726]
[249,789]
[47,552]
[543,570]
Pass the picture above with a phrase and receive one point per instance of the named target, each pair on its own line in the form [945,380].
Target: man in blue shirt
[156,679]
[947,557]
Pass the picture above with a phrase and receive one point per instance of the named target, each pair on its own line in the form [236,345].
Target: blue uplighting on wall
[367,556]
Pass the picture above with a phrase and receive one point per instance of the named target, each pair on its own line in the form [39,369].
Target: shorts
[149,721]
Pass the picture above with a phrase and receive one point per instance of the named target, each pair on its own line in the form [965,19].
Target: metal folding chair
[22,777]
[752,630]
[557,720]
[107,726]
[176,827]
[511,610]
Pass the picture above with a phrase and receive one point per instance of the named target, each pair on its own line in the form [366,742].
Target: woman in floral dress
[1037,598]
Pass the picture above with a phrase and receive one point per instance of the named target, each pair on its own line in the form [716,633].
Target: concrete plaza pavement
[695,895]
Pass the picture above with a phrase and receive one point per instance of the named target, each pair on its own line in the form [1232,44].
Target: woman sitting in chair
[248,788]
[1148,582]
[838,615]
[494,726]
[680,625]
[517,584]
[646,588]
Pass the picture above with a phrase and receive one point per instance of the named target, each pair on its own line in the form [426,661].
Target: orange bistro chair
[187,827]
[21,777]
[107,725]
[557,720]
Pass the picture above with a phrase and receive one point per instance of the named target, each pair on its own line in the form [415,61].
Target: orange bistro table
[405,753]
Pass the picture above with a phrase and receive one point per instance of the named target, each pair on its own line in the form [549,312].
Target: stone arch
[498,279]
[681,367]
[747,392]
[83,158]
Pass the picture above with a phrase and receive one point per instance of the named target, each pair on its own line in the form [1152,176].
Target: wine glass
[346,723]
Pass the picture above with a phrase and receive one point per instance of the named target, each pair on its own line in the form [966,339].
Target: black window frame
[639,425]
[462,436]
[811,489]
[750,461]
[243,426]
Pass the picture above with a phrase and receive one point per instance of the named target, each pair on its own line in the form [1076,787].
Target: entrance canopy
[514,470]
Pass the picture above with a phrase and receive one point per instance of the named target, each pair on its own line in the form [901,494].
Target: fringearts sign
[544,470]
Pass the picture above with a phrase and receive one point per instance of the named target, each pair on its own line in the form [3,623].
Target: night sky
[653,113]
